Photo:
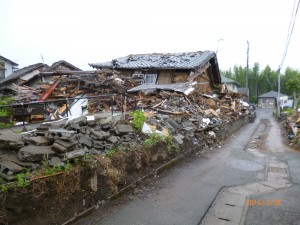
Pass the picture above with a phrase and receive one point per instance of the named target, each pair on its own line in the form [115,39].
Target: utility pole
[278,95]
[220,39]
[247,71]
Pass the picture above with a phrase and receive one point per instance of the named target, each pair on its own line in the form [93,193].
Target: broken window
[138,76]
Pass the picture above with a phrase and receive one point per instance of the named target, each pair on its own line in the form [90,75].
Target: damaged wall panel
[202,78]
[165,77]
[180,77]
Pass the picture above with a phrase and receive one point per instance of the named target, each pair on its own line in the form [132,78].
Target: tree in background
[239,74]
[268,80]
[254,73]
[228,73]
[263,81]
[291,84]
[259,81]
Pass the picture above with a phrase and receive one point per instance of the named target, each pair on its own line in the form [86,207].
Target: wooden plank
[165,77]
[180,78]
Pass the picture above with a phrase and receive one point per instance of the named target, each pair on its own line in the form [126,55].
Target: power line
[290,31]
[289,36]
[247,71]
[290,25]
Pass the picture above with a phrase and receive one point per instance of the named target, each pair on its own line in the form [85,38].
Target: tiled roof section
[19,73]
[271,94]
[185,60]
[5,59]
[56,64]
[229,81]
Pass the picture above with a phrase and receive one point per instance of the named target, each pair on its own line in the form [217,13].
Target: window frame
[152,78]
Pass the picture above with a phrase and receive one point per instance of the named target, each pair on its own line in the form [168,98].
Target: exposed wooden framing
[198,72]
[180,77]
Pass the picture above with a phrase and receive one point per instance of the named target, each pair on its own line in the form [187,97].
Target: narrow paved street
[252,179]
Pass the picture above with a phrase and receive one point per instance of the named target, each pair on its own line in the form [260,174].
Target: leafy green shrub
[3,188]
[4,125]
[22,180]
[253,99]
[112,151]
[53,170]
[290,111]
[154,138]
[6,100]
[5,112]
[138,119]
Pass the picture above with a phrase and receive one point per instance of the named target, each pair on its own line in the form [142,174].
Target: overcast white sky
[87,31]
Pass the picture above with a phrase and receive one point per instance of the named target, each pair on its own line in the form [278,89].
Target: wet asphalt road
[183,194]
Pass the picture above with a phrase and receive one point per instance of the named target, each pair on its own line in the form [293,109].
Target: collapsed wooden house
[31,75]
[169,68]
[24,85]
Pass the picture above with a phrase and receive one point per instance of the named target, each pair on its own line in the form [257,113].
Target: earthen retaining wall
[24,207]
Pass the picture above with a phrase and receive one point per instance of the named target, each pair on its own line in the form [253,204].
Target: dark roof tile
[6,59]
[184,60]
[56,64]
[271,94]
[19,73]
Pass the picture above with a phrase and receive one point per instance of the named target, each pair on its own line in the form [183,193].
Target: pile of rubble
[89,91]
[180,99]
[196,118]
[178,110]
[67,84]
[291,125]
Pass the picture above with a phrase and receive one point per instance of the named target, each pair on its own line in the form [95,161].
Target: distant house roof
[271,94]
[19,73]
[184,60]
[243,90]
[11,62]
[229,81]
[60,62]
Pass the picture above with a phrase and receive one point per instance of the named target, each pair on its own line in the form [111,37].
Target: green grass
[22,179]
[154,138]
[290,111]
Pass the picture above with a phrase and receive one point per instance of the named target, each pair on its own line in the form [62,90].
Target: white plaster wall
[30,75]
[232,87]
[8,69]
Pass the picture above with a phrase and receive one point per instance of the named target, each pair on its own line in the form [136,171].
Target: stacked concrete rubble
[73,140]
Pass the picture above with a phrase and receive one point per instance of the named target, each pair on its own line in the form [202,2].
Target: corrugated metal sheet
[179,87]
[185,60]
